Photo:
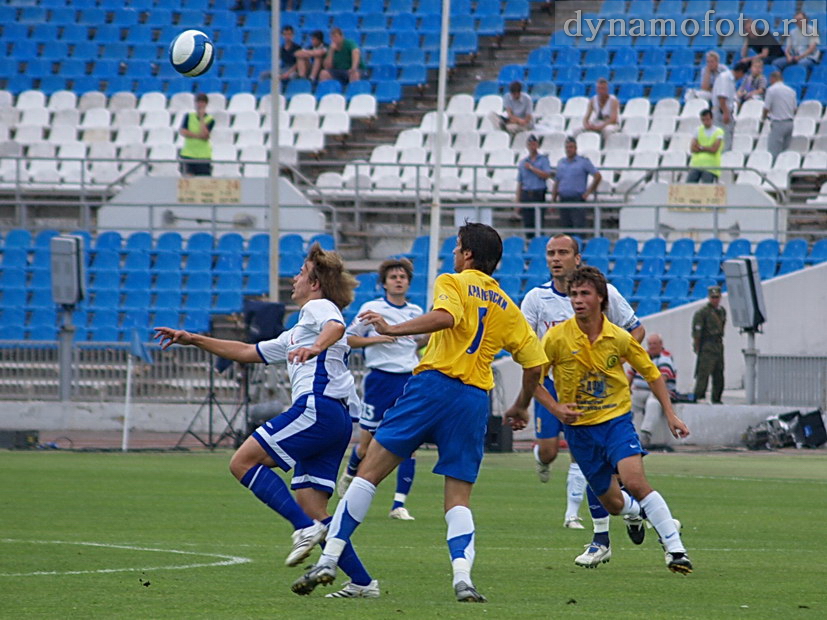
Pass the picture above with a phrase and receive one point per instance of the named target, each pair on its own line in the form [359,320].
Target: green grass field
[88,535]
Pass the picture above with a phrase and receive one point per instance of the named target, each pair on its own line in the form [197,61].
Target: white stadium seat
[751,108]
[181,102]
[216,102]
[669,108]
[460,104]
[156,119]
[63,134]
[305,121]
[63,100]
[408,138]
[30,99]
[362,106]
[332,102]
[575,107]
[639,106]
[489,103]
[90,100]
[126,118]
[496,141]
[35,116]
[336,124]
[241,102]
[123,100]
[309,141]
[152,100]
[548,105]
[303,102]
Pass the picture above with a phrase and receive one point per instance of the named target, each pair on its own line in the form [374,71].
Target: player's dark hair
[593,276]
[395,263]
[287,28]
[484,243]
[575,245]
[706,112]
[202,97]
[328,269]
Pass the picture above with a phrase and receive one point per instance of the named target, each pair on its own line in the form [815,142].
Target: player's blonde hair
[328,269]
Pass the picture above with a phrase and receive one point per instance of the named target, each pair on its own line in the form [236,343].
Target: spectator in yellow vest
[197,151]
[707,148]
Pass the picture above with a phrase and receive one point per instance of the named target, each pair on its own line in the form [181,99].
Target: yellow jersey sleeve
[637,356]
[447,296]
[524,345]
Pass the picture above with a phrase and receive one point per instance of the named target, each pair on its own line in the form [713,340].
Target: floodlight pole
[436,204]
[751,364]
[275,161]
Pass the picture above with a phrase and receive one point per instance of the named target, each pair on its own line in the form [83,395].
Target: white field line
[223,560]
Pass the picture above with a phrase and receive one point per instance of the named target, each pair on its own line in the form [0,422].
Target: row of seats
[699,7]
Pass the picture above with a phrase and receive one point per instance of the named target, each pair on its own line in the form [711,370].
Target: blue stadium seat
[649,288]
[572,89]
[682,248]
[15,297]
[653,74]
[105,333]
[15,258]
[790,265]
[166,318]
[323,239]
[711,248]
[396,7]
[341,6]
[136,299]
[198,300]
[138,318]
[707,268]
[139,241]
[168,280]
[375,39]
[228,302]
[412,75]
[596,247]
[539,56]
[42,332]
[290,265]
[624,267]
[136,260]
[486,88]
[298,86]
[257,284]
[514,246]
[197,321]
[738,247]
[818,253]
[624,247]
[625,74]
[137,280]
[200,242]
[41,279]
[167,260]
[767,248]
[230,243]
[767,267]
[662,91]
[361,87]
[374,22]
[596,56]
[18,238]
[515,10]
[653,57]
[538,74]
[629,91]
[291,244]
[795,75]
[679,267]
[652,267]
[199,261]
[624,285]
[258,263]
[648,307]
[510,265]
[653,248]
[464,43]
[388,92]
[106,279]
[676,292]
[104,317]
[595,72]
[105,260]
[169,241]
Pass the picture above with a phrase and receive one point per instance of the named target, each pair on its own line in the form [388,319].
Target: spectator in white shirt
[602,113]
[708,77]
[802,45]
[779,107]
[723,98]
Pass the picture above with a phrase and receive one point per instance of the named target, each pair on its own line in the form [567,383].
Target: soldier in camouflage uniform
[708,343]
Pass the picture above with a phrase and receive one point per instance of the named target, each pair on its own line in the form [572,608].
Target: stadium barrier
[30,371]
[804,380]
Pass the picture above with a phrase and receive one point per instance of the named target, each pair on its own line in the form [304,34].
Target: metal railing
[794,380]
[30,371]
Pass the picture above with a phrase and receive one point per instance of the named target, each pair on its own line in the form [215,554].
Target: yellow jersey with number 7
[486,321]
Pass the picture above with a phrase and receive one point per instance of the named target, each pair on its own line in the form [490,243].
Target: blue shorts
[381,391]
[311,438]
[546,424]
[438,409]
[600,447]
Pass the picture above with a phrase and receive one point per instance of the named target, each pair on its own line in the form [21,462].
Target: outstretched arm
[229,349]
[433,321]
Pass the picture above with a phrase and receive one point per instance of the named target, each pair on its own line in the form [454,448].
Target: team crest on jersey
[442,297]
[612,361]
[593,385]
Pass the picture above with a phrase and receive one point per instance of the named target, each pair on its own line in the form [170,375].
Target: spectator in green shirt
[343,61]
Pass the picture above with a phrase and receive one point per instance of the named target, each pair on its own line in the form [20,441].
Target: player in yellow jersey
[445,402]
[586,353]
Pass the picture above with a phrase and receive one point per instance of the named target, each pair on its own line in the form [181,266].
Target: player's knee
[238,466]
[637,487]
[613,505]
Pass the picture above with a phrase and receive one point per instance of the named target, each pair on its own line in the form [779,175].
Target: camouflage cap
[714,291]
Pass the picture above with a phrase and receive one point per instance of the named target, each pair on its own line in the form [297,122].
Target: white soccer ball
[191,53]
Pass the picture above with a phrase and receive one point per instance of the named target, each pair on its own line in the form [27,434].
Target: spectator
[309,60]
[532,174]
[708,77]
[570,185]
[602,113]
[708,344]
[197,150]
[288,54]
[766,46]
[343,61]
[723,98]
[802,45]
[644,402]
[707,150]
[779,107]
[755,84]
[519,111]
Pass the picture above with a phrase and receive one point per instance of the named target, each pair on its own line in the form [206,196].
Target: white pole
[275,111]
[127,405]
[436,156]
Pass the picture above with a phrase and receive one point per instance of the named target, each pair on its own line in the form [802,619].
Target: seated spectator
[644,403]
[707,151]
[766,46]
[708,77]
[755,84]
[288,54]
[802,45]
[343,61]
[519,111]
[602,113]
[309,60]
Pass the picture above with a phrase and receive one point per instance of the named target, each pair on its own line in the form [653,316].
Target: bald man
[643,401]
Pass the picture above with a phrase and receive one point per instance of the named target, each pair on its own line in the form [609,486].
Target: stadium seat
[648,306]
[625,247]
[818,253]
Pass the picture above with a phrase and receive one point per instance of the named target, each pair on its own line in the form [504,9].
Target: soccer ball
[191,53]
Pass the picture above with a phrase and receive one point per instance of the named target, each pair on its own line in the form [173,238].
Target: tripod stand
[210,403]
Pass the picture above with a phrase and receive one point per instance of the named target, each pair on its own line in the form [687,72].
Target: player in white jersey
[312,436]
[391,362]
[544,307]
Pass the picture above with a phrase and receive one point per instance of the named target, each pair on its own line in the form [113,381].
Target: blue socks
[404,481]
[600,518]
[270,489]
[353,463]
[351,564]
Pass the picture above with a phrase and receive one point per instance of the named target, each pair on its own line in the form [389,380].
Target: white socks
[657,512]
[575,490]
[350,512]
[631,508]
[461,542]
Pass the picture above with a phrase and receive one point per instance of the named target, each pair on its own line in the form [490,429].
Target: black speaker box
[499,437]
[810,430]
[19,440]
